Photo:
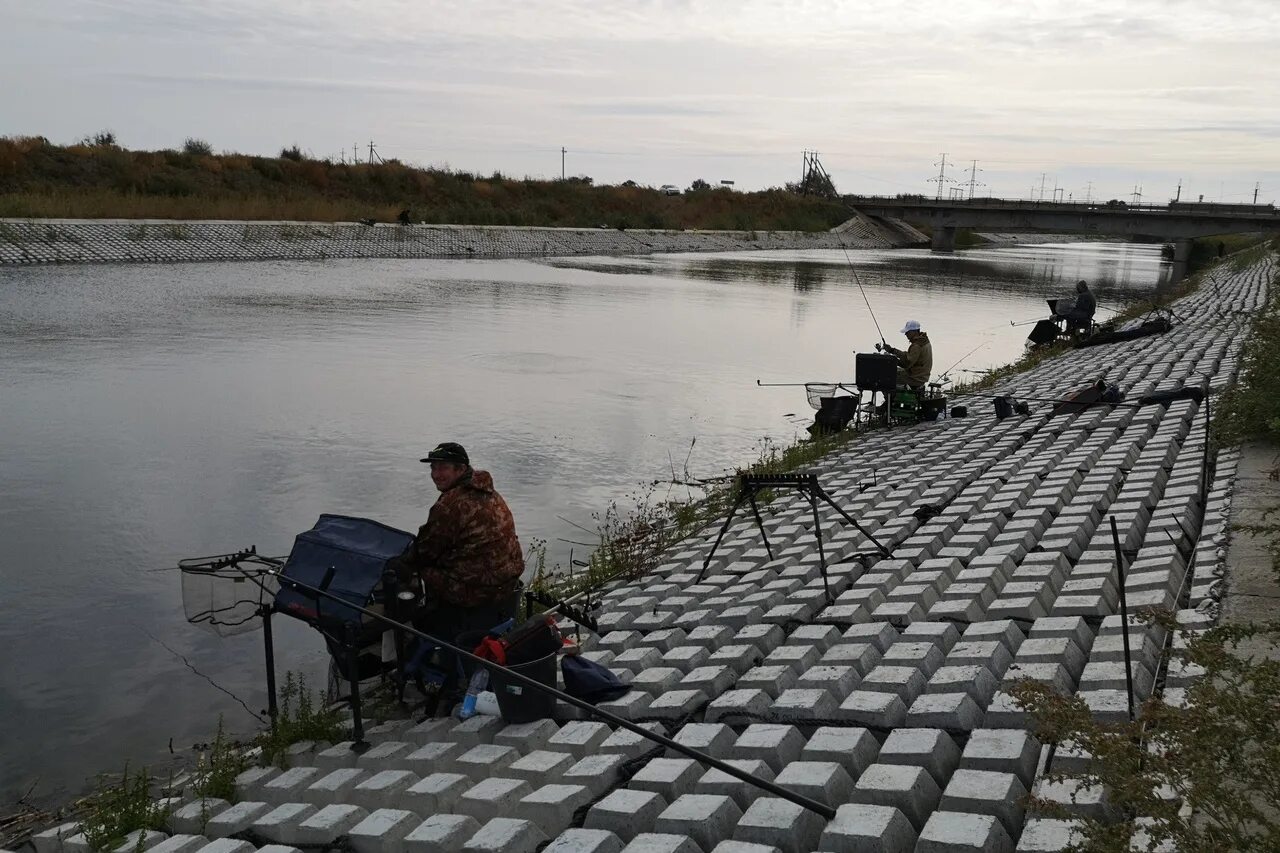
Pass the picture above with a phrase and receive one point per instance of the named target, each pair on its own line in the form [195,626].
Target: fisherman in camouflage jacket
[467,554]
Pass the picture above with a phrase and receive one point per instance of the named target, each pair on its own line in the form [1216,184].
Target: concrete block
[710,636]
[881,635]
[676,705]
[222,845]
[685,658]
[248,782]
[906,788]
[659,842]
[1111,675]
[1048,835]
[860,828]
[824,781]
[579,738]
[281,823]
[905,682]
[975,681]
[711,680]
[637,659]
[180,844]
[954,832]
[861,657]
[53,840]
[436,757]
[742,793]
[1076,798]
[384,788]
[944,635]
[732,846]
[1012,751]
[839,681]
[506,835]
[779,823]
[1004,631]
[1054,675]
[1061,650]
[551,807]
[738,706]
[148,839]
[714,739]
[383,831]
[584,841]
[337,756]
[669,638]
[596,773]
[627,743]
[430,731]
[798,658]
[491,796]
[237,818]
[626,813]
[434,793]
[485,760]
[961,610]
[288,787]
[799,705]
[874,709]
[381,754]
[630,706]
[657,680]
[670,778]
[989,653]
[821,636]
[334,786]
[772,679]
[775,744]
[540,764]
[765,638]
[852,748]
[527,737]
[932,749]
[328,824]
[706,818]
[987,792]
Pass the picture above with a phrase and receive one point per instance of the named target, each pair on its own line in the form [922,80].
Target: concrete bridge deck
[1178,222]
[890,704]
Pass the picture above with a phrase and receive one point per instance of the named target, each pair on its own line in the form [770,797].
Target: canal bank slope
[42,241]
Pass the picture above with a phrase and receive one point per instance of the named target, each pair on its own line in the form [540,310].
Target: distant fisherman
[916,362]
[1080,315]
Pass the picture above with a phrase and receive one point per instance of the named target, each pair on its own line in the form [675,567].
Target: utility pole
[370,152]
[1088,193]
[562,153]
[355,153]
[1255,191]
[973,178]
[1178,195]
[942,174]
[1137,193]
[1042,186]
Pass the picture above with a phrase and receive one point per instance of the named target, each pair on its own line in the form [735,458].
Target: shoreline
[26,242]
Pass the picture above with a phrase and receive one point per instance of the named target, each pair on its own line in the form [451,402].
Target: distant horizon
[1100,100]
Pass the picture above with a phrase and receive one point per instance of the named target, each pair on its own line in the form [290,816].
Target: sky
[1102,99]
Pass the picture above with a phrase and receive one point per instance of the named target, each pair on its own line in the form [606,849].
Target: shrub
[115,810]
[293,152]
[195,147]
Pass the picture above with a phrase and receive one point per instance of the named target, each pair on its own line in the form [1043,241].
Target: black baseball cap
[448,451]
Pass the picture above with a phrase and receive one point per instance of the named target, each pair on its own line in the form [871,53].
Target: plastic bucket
[520,703]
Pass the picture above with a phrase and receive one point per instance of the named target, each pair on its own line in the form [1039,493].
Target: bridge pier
[944,238]
[1181,257]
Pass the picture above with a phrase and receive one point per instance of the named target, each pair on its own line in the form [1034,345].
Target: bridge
[1176,222]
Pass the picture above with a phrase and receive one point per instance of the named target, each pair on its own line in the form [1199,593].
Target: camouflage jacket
[467,553]
[916,361]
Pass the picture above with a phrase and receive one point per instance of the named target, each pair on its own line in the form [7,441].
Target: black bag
[536,638]
[589,681]
[1004,408]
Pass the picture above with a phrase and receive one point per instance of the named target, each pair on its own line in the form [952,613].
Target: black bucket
[520,703]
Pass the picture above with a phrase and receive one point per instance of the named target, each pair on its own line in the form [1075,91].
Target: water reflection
[155,412]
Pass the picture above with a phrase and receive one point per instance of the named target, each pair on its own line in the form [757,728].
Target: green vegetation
[121,807]
[1204,250]
[1216,753]
[96,179]
[218,766]
[301,717]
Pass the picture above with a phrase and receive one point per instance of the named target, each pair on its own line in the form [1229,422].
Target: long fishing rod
[858,281]
[946,373]
[841,384]
[533,684]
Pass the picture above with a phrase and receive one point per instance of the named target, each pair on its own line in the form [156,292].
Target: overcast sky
[1116,93]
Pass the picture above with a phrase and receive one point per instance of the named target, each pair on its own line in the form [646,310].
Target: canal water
[151,413]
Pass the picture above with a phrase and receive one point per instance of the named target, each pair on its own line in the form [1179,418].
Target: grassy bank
[39,179]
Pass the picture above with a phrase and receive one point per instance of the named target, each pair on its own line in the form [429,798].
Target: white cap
[912,326]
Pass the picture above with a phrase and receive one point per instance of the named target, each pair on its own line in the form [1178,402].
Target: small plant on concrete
[302,716]
[119,808]
[218,766]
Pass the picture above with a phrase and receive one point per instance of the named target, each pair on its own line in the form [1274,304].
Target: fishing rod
[947,373]
[533,684]
[858,281]
[802,384]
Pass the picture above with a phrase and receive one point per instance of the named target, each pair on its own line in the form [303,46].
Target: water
[150,413]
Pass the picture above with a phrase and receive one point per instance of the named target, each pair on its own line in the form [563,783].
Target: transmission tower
[814,179]
[973,178]
[942,175]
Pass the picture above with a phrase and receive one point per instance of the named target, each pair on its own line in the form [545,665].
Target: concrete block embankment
[46,241]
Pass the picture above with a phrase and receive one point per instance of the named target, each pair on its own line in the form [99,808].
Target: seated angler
[916,362]
[467,555]
[1080,315]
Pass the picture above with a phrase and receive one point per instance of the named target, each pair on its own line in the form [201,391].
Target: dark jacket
[1084,309]
[916,361]
[467,553]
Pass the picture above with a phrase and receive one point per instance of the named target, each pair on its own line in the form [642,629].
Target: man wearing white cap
[916,363]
